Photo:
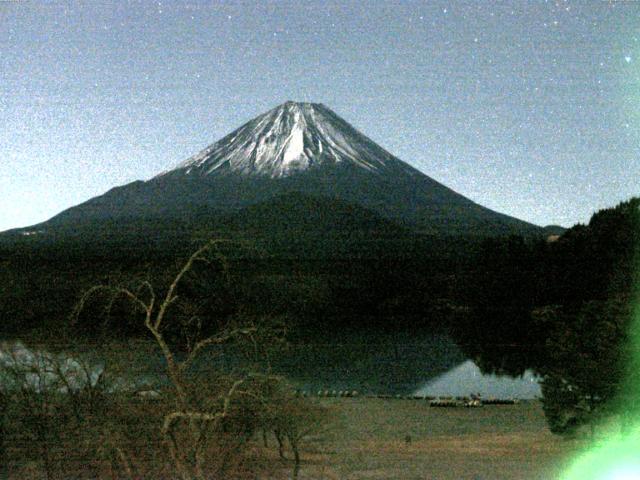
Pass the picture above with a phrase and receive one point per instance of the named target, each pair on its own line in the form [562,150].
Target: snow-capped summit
[287,139]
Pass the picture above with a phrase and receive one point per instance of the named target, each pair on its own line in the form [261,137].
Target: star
[627,59]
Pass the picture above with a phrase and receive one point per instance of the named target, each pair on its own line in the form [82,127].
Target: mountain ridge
[297,147]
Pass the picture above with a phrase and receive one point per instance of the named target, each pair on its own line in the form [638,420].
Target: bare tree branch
[171,296]
[185,430]
[214,340]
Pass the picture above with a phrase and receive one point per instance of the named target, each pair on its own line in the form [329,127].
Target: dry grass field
[365,438]
[407,439]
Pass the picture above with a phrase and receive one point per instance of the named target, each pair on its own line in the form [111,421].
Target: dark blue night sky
[530,108]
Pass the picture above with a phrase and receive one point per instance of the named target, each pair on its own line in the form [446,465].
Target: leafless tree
[294,420]
[187,428]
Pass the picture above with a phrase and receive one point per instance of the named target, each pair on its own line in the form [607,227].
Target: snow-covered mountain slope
[295,147]
[290,138]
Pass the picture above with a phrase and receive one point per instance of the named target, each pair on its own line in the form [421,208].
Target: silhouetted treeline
[562,308]
[507,281]
[315,281]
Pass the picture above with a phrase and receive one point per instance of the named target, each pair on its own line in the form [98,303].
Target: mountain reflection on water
[467,378]
[376,363]
[406,363]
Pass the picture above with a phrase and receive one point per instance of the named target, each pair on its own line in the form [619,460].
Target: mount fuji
[296,153]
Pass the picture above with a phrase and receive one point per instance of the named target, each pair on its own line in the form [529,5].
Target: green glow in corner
[613,459]
[618,456]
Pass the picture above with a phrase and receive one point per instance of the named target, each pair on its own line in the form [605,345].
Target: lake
[401,363]
[371,363]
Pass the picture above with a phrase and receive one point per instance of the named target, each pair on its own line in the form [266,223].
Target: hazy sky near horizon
[531,108]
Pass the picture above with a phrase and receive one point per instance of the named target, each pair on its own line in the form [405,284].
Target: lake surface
[373,363]
[405,364]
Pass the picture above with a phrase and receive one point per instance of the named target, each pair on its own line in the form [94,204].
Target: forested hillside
[563,308]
